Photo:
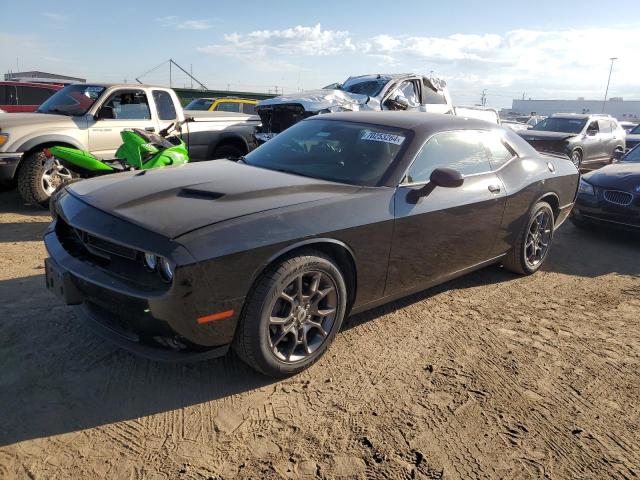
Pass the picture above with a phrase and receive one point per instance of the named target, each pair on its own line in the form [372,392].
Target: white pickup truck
[91,116]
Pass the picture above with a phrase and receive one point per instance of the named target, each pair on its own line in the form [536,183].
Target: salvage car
[90,117]
[338,214]
[590,141]
[610,196]
[408,92]
[633,137]
[226,104]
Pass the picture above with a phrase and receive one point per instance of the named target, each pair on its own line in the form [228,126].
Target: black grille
[82,244]
[618,197]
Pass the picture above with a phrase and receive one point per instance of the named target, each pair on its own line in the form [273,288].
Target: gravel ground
[489,376]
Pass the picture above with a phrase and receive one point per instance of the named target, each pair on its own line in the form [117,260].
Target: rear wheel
[39,177]
[292,315]
[228,151]
[532,245]
[576,158]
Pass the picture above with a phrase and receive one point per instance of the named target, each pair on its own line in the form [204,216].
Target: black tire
[228,151]
[30,179]
[516,260]
[253,341]
[576,157]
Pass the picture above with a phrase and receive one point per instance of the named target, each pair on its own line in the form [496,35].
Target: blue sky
[542,49]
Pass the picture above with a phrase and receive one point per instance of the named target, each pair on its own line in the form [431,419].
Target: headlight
[585,188]
[4,138]
[150,261]
[165,269]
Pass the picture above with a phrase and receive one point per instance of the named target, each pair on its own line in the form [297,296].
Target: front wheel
[532,245]
[40,176]
[292,315]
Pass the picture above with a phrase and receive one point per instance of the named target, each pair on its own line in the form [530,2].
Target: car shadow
[12,202]
[593,251]
[57,376]
[22,231]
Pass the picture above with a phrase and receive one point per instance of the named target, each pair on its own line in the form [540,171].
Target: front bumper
[9,165]
[594,209]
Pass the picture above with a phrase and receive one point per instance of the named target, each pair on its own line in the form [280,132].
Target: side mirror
[105,113]
[446,177]
[618,155]
[591,133]
[397,103]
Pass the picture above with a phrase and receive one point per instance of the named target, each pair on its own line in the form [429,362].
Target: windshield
[199,104]
[339,151]
[365,87]
[73,100]
[633,156]
[564,125]
[635,130]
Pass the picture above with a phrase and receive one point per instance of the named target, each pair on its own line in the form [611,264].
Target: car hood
[541,135]
[177,200]
[316,100]
[21,119]
[620,176]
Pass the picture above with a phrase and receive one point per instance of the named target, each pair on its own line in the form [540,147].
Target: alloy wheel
[54,174]
[302,316]
[538,239]
[576,158]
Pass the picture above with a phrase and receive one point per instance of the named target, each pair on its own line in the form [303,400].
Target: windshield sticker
[382,137]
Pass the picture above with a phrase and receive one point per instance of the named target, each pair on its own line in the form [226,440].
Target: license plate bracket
[61,284]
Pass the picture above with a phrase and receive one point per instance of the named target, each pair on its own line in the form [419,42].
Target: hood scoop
[199,194]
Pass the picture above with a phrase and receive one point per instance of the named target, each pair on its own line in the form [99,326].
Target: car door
[591,143]
[449,229]
[407,90]
[123,109]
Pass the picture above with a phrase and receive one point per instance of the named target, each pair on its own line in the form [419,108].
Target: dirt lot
[489,376]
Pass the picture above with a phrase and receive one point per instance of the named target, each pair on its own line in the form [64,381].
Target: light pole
[606,92]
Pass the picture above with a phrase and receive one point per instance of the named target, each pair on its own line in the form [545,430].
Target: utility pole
[606,92]
[170,65]
[483,97]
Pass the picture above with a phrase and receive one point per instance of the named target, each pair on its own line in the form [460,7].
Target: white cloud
[57,17]
[297,40]
[176,22]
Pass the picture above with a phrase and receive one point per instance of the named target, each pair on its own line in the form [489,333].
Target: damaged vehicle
[365,92]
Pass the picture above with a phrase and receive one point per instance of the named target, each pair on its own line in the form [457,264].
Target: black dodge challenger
[610,197]
[338,214]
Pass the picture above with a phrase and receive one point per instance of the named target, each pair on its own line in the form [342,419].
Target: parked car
[228,104]
[633,137]
[408,92]
[590,141]
[25,96]
[515,126]
[91,116]
[628,126]
[611,196]
[340,213]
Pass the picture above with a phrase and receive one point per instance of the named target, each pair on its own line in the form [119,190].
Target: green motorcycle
[140,150]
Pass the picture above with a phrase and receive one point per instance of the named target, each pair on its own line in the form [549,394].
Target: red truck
[24,96]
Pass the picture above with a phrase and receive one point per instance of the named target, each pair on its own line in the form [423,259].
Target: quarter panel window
[499,153]
[249,108]
[460,150]
[164,104]
[605,126]
[431,96]
[33,95]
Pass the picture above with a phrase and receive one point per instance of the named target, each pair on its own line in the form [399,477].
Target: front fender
[49,139]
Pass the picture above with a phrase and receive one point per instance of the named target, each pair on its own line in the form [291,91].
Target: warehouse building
[615,106]
[42,77]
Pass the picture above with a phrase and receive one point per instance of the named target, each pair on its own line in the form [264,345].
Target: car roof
[418,121]
[581,116]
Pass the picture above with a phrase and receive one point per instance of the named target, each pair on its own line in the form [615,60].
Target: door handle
[150,129]
[494,188]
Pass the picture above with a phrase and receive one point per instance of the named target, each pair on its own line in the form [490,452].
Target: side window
[228,107]
[499,153]
[249,108]
[32,95]
[460,150]
[604,126]
[431,96]
[164,105]
[593,127]
[130,105]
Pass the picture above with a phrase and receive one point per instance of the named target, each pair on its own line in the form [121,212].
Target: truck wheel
[228,151]
[39,177]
